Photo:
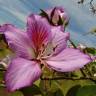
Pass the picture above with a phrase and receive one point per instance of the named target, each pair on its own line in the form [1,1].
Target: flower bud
[59,16]
[56,16]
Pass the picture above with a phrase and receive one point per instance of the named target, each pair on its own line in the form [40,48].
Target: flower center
[44,52]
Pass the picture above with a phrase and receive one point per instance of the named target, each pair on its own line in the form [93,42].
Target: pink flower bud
[56,16]
[59,16]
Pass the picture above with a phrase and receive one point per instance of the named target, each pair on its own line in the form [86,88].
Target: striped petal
[39,31]
[68,60]
[21,73]
[59,39]
[18,41]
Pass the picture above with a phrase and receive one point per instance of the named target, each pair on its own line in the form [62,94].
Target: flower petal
[18,41]
[59,39]
[39,31]
[21,73]
[68,60]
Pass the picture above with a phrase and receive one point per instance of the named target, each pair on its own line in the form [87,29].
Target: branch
[81,2]
[69,78]
[72,43]
[92,7]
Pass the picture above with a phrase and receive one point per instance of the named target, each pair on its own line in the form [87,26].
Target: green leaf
[90,50]
[58,93]
[88,90]
[4,92]
[31,91]
[65,85]
[17,93]
[50,88]
[73,90]
[37,82]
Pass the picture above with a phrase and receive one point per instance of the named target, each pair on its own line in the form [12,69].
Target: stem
[68,78]
[90,73]
[82,71]
[72,43]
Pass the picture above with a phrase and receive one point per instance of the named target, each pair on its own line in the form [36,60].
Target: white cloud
[81,19]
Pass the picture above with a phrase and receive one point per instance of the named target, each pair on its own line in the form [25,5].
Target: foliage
[56,84]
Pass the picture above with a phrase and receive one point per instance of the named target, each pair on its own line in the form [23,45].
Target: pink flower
[38,45]
[93,58]
[56,16]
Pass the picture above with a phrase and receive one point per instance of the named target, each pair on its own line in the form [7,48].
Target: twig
[82,71]
[68,78]
[92,7]
[72,43]
[81,2]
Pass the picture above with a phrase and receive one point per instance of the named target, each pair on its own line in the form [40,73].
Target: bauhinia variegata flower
[56,16]
[40,44]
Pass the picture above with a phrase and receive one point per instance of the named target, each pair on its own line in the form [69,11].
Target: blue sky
[81,19]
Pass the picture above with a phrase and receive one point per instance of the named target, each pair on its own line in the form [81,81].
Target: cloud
[81,21]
